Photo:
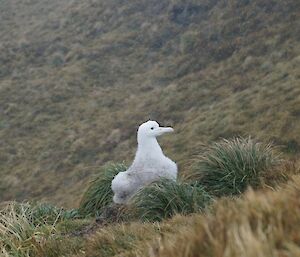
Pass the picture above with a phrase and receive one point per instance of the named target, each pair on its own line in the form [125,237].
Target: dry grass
[119,239]
[130,239]
[258,224]
[19,235]
[261,223]
[37,230]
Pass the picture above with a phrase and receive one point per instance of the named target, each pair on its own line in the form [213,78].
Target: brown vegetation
[261,223]
[258,224]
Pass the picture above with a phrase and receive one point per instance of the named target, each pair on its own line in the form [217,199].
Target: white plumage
[149,164]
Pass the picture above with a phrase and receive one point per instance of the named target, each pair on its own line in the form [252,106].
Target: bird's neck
[148,148]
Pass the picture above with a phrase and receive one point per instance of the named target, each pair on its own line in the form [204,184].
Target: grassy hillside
[264,222]
[77,78]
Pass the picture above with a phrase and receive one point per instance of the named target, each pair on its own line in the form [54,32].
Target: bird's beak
[162,130]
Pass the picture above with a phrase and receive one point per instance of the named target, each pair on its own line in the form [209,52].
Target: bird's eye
[152,128]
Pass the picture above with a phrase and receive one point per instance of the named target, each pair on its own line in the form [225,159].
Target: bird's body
[149,164]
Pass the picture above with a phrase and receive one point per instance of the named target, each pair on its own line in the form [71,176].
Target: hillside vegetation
[77,78]
[261,223]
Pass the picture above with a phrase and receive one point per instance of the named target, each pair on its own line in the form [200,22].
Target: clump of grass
[261,223]
[121,240]
[28,229]
[99,193]
[74,226]
[165,198]
[61,246]
[43,213]
[230,166]
[19,235]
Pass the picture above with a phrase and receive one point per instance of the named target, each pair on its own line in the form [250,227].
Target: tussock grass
[237,227]
[230,166]
[130,239]
[165,198]
[27,229]
[264,223]
[99,193]
[19,235]
[167,52]
[120,239]
[44,213]
[73,226]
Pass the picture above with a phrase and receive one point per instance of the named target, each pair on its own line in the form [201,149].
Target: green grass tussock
[44,213]
[99,193]
[165,198]
[230,166]
[19,235]
[37,229]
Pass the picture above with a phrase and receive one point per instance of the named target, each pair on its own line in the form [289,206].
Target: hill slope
[77,78]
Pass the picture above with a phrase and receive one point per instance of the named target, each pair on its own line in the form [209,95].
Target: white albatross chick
[149,164]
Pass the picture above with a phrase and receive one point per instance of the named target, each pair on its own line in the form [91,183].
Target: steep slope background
[77,78]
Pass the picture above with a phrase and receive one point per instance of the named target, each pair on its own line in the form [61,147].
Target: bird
[149,165]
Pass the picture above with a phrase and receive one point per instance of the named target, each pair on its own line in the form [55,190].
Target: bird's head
[151,129]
